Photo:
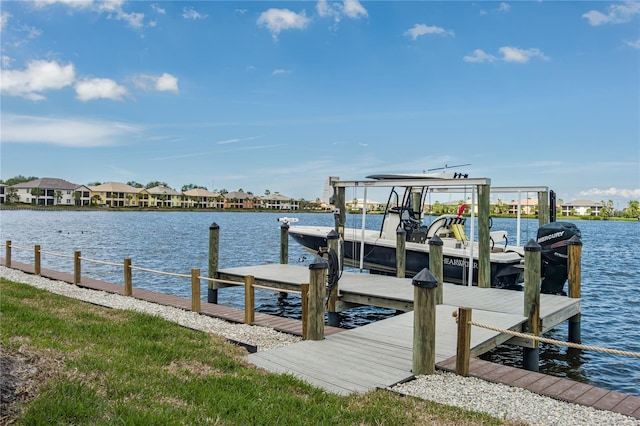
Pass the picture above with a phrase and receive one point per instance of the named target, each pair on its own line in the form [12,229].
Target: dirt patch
[22,373]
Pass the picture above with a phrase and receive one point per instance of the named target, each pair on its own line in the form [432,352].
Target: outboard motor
[553,238]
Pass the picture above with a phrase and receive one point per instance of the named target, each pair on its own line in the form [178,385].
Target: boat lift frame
[482,188]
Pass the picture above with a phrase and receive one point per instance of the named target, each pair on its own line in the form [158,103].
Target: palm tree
[58,195]
[36,192]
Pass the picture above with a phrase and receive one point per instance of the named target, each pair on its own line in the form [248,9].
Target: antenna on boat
[446,166]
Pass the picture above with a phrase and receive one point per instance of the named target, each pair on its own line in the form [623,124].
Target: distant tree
[155,183]
[58,196]
[135,184]
[94,183]
[36,192]
[240,190]
[223,191]
[267,192]
[12,195]
[191,186]
[18,179]
[95,200]
[77,196]
[632,209]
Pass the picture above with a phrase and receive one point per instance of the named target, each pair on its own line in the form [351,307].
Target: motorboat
[375,250]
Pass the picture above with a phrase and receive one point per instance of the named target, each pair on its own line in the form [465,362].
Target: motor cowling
[553,239]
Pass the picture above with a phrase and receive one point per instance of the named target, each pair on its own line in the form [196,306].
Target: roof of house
[200,192]
[582,203]
[238,195]
[115,187]
[46,183]
[275,197]
[162,190]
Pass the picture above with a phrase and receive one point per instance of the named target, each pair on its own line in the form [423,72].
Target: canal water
[178,241]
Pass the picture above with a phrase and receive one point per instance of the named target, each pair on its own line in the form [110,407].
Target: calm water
[178,241]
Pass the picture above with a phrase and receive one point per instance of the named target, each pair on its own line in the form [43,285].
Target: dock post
[543,208]
[36,259]
[7,254]
[317,279]
[463,347]
[214,245]
[284,252]
[401,253]
[249,299]
[128,282]
[333,316]
[77,273]
[195,289]
[484,243]
[304,296]
[424,322]
[340,215]
[532,282]
[574,268]
[435,265]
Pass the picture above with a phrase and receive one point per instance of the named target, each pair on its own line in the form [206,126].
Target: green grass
[101,367]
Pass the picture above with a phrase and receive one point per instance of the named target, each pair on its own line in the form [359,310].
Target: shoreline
[499,400]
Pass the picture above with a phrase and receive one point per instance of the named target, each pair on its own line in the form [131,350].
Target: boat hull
[380,258]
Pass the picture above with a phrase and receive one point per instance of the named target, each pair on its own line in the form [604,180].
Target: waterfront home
[240,200]
[161,196]
[201,198]
[50,192]
[116,194]
[581,208]
[277,201]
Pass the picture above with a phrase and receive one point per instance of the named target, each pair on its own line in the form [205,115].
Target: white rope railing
[556,342]
[171,274]
[69,256]
[20,248]
[102,262]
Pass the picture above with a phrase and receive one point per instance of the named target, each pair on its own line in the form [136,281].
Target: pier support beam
[214,245]
[574,267]
[435,265]
[7,254]
[317,279]
[484,245]
[401,253]
[424,323]
[284,252]
[333,316]
[340,216]
[543,208]
[532,283]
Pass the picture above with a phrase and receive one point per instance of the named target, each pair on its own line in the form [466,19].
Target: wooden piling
[436,265]
[574,268]
[532,283]
[36,260]
[543,208]
[77,273]
[340,216]
[401,253]
[463,348]
[195,289]
[317,279]
[7,254]
[424,323]
[128,281]
[284,244]
[484,243]
[214,245]
[249,299]
[333,316]
[304,300]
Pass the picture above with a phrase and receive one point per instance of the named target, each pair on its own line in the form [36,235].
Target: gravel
[502,401]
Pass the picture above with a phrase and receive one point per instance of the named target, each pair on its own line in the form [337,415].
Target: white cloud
[504,7]
[191,13]
[422,29]
[354,10]
[613,192]
[164,83]
[616,14]
[75,4]
[99,88]
[479,56]
[71,132]
[348,8]
[6,61]
[110,7]
[277,20]
[4,19]
[633,44]
[515,54]
[280,71]
[39,76]
[158,9]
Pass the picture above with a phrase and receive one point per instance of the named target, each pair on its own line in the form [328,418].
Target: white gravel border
[502,401]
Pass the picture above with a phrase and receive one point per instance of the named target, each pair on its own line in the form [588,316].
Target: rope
[160,272]
[56,254]
[556,342]
[101,262]
[19,248]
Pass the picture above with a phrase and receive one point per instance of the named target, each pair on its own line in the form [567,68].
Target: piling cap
[574,241]
[532,246]
[284,225]
[333,235]
[400,231]
[319,263]
[214,226]
[435,241]
[425,279]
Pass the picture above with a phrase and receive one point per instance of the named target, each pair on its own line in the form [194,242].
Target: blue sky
[279,95]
